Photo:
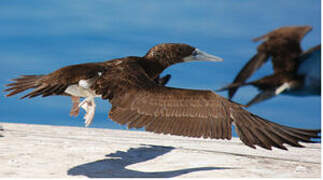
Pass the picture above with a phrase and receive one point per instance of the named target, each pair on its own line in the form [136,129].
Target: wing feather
[207,115]
[140,102]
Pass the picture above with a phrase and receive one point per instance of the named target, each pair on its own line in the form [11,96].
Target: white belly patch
[76,90]
[82,89]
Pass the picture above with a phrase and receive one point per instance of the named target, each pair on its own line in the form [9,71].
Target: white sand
[53,151]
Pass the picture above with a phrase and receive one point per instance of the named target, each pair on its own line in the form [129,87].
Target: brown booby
[296,73]
[139,102]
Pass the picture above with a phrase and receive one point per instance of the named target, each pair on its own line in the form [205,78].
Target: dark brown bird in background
[139,101]
[296,72]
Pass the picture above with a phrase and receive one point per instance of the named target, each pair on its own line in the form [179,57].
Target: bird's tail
[23,83]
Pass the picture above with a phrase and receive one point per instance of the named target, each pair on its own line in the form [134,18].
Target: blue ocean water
[37,37]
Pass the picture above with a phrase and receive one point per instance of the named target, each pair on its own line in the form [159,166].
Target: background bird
[296,72]
[138,101]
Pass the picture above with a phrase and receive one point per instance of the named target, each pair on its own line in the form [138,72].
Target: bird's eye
[155,54]
[194,53]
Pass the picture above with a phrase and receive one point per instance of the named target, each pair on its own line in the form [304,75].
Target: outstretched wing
[138,101]
[56,82]
[310,52]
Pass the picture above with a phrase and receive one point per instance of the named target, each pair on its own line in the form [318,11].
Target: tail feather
[24,83]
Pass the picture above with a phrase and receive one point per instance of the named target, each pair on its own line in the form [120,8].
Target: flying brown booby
[138,101]
[296,73]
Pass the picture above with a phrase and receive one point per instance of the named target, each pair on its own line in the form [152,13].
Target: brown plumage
[283,46]
[138,101]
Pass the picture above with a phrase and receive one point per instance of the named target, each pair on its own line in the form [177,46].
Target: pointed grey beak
[199,55]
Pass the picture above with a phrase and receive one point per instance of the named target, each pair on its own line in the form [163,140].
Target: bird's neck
[153,68]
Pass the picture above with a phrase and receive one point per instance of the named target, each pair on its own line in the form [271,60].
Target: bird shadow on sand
[114,166]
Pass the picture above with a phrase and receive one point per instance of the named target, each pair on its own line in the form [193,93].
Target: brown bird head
[171,53]
[287,32]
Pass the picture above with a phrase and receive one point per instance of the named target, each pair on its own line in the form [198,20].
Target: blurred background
[37,37]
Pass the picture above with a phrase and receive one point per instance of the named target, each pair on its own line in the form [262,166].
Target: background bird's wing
[305,55]
[139,102]
[253,65]
[273,85]
[262,96]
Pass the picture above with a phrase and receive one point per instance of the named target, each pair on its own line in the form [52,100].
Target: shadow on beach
[114,166]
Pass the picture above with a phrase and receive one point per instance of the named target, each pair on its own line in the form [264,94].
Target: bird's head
[172,53]
[289,33]
[300,31]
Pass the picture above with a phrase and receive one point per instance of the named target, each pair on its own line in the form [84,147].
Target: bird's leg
[75,107]
[90,114]
[164,80]
[88,105]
